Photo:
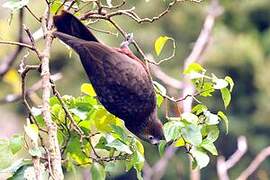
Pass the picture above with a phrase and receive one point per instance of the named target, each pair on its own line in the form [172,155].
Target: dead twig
[265,153]
[223,166]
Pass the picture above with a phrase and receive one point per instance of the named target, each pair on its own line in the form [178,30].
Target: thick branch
[53,145]
[265,153]
[223,166]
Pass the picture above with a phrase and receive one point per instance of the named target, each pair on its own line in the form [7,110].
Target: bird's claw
[128,41]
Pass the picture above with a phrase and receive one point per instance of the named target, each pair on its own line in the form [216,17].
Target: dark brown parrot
[121,81]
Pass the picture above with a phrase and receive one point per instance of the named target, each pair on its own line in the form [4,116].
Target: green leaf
[138,161]
[31,131]
[211,132]
[199,108]
[121,134]
[74,150]
[189,117]
[180,142]
[194,67]
[139,146]
[209,146]
[88,89]
[160,88]
[172,130]
[226,96]
[98,172]
[81,113]
[58,112]
[102,144]
[230,81]
[200,156]
[118,145]
[14,5]
[161,147]
[206,89]
[16,143]
[5,154]
[211,119]
[159,99]
[55,6]
[220,83]
[110,167]
[159,44]
[139,175]
[19,174]
[225,119]
[192,134]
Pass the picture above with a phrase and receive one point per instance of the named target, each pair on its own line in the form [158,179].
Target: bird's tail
[69,24]
[74,42]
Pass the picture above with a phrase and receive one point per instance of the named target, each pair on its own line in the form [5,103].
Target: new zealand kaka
[121,81]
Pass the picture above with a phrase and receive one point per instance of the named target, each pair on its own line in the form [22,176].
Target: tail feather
[69,24]
[72,41]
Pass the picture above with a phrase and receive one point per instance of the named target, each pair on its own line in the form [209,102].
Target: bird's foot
[128,41]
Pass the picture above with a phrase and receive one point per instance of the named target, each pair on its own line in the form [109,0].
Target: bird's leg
[128,41]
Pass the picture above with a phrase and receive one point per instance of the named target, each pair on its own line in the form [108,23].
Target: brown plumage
[121,81]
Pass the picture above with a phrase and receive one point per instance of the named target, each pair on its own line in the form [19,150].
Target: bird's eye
[151,137]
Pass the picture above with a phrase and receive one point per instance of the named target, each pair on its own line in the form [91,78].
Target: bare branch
[265,153]
[223,166]
[157,171]
[30,11]
[10,98]
[53,145]
[8,61]
[166,79]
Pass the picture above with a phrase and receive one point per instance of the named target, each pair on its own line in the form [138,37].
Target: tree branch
[223,166]
[166,79]
[9,60]
[53,145]
[265,153]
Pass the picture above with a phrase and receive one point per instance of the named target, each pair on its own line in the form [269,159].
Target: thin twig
[17,44]
[9,60]
[57,94]
[30,11]
[10,98]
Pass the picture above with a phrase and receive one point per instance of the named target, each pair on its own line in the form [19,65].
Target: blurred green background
[239,47]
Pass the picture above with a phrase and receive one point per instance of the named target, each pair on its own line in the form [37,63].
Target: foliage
[104,139]
[197,131]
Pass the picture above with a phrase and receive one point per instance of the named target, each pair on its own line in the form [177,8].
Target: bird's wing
[131,92]
[122,84]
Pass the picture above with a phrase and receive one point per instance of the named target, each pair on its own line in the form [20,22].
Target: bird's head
[152,131]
